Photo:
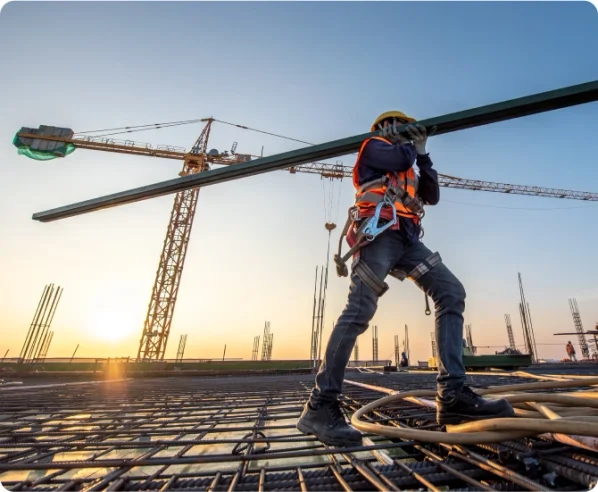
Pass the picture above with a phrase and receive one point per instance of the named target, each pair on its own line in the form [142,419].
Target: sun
[111,324]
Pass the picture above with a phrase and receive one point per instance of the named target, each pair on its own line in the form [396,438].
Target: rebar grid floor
[238,433]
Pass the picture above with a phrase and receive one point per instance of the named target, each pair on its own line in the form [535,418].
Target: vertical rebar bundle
[433,344]
[45,345]
[397,350]
[375,344]
[526,322]
[37,335]
[510,332]
[583,344]
[267,342]
[356,350]
[181,349]
[256,347]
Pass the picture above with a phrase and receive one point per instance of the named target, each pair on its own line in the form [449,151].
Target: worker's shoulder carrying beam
[514,108]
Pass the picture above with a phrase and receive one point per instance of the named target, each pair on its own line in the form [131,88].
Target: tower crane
[156,329]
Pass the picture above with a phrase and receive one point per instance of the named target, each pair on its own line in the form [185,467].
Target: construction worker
[571,351]
[384,171]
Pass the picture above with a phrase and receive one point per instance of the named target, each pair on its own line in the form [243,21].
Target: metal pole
[224,352]
[73,356]
[407,344]
[483,115]
[5,354]
[318,320]
[313,319]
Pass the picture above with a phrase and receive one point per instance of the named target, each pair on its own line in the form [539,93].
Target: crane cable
[141,128]
[575,414]
[264,132]
[157,126]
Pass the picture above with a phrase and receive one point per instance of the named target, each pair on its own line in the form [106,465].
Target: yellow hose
[546,419]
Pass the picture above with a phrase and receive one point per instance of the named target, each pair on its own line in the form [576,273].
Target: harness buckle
[371,229]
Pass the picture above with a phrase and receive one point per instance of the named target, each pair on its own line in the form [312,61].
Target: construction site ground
[238,433]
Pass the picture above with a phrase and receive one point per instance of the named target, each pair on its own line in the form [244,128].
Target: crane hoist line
[483,115]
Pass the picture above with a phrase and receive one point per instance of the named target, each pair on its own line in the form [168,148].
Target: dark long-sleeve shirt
[378,158]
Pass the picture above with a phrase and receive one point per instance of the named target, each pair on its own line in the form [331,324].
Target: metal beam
[483,115]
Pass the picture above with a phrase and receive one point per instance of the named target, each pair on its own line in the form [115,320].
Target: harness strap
[369,278]
[420,270]
[393,194]
[370,184]
[425,266]
[341,261]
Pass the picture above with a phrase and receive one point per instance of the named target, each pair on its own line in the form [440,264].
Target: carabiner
[371,229]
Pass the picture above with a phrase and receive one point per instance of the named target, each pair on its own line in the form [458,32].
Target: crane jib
[483,115]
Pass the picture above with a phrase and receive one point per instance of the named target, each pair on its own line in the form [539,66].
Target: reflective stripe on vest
[370,194]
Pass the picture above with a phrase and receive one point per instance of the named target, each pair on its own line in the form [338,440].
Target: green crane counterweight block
[43,150]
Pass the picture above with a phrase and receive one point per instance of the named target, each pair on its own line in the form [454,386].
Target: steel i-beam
[483,115]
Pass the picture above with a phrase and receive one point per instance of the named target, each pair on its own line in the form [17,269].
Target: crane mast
[160,311]
[156,327]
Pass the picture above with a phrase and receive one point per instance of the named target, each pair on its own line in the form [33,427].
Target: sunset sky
[315,72]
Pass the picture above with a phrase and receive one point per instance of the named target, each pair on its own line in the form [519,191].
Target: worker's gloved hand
[419,136]
[391,133]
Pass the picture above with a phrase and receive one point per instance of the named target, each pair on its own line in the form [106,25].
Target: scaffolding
[510,332]
[267,342]
[469,339]
[581,337]
[256,347]
[181,349]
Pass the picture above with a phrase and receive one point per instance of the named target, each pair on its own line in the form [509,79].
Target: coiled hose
[570,418]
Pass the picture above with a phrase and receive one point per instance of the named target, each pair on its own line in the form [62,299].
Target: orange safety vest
[370,194]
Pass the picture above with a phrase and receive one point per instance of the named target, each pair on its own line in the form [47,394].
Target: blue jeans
[386,252]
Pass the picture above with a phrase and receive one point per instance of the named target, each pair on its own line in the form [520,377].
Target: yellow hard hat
[392,114]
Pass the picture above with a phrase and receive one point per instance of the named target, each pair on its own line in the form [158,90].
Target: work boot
[328,424]
[467,405]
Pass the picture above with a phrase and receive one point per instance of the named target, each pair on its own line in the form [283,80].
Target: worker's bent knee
[458,290]
[357,317]
[450,294]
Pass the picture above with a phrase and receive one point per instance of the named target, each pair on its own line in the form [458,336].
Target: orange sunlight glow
[111,323]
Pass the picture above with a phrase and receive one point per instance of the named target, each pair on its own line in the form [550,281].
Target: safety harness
[362,229]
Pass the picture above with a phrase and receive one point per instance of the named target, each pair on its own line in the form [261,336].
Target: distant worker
[387,184]
[571,351]
[404,360]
